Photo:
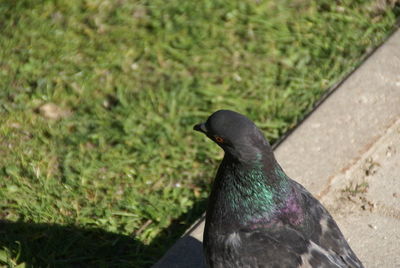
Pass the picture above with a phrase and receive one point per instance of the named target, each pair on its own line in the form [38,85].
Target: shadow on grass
[50,245]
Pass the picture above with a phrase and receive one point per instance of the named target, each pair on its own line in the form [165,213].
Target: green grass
[118,174]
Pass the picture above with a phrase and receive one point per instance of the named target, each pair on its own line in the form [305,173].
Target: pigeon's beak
[200,127]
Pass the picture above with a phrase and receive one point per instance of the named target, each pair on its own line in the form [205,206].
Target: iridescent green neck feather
[249,192]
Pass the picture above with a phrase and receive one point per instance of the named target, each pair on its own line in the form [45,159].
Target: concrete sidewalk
[347,153]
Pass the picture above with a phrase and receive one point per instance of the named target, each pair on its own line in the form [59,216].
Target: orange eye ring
[219,139]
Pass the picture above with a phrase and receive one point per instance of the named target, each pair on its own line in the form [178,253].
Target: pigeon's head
[234,133]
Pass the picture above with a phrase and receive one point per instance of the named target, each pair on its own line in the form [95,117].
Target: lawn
[99,166]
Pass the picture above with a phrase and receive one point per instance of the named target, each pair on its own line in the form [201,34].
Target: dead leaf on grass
[53,112]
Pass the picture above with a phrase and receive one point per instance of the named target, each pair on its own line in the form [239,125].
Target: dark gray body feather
[280,244]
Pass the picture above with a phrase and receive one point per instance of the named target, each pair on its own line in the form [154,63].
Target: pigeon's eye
[219,139]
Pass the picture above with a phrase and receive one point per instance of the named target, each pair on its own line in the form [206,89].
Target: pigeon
[256,215]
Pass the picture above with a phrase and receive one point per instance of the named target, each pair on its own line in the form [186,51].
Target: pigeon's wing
[280,246]
[277,247]
[323,230]
[259,248]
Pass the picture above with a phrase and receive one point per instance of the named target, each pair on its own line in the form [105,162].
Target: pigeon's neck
[249,192]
